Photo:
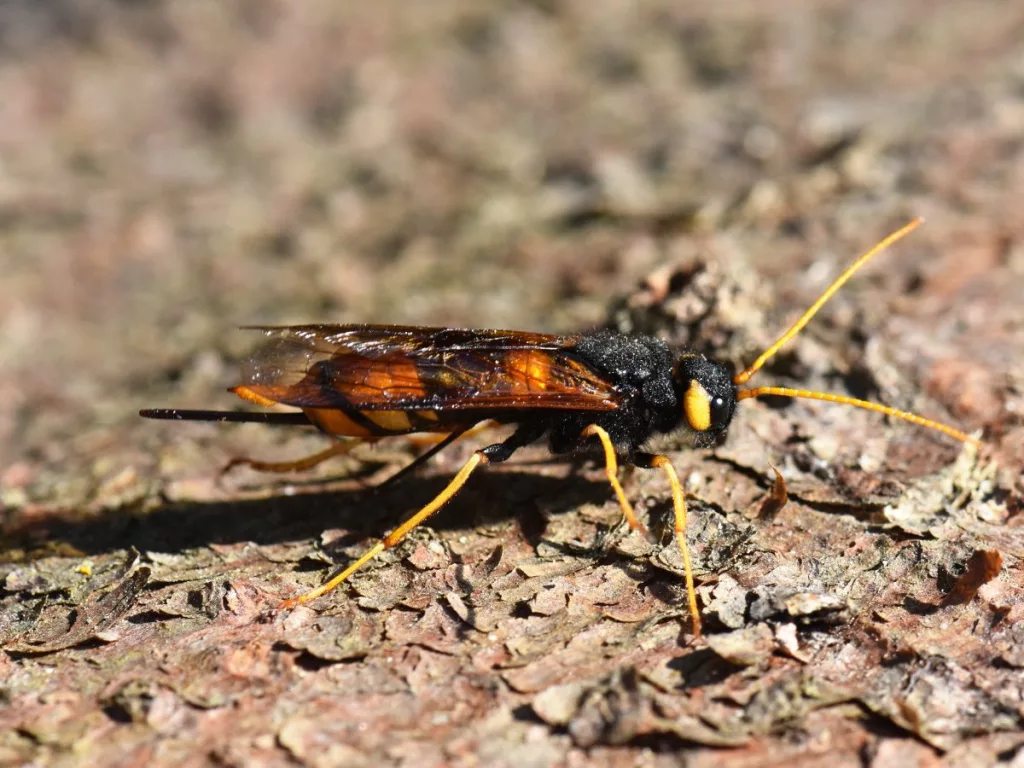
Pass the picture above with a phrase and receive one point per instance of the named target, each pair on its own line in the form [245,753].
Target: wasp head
[708,397]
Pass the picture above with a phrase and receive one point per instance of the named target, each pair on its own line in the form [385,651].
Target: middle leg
[611,468]
[657,461]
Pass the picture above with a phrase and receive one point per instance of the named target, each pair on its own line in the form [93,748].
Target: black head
[708,397]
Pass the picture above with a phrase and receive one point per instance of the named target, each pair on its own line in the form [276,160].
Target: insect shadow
[523,495]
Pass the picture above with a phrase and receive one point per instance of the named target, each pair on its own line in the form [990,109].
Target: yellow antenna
[913,418]
[744,376]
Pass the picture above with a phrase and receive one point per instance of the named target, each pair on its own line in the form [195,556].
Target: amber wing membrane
[401,368]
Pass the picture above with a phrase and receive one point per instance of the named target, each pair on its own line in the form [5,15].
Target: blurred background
[172,170]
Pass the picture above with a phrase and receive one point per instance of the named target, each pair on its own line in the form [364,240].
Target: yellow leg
[611,467]
[396,535]
[298,465]
[679,506]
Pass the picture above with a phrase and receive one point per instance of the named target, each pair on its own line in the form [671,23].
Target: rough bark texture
[172,170]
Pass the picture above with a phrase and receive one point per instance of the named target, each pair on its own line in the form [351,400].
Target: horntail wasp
[375,381]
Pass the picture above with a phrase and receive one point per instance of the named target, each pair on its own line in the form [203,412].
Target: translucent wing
[384,367]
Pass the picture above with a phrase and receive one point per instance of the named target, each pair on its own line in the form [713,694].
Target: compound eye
[697,406]
[719,410]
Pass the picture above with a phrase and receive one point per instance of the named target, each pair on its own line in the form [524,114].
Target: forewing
[408,367]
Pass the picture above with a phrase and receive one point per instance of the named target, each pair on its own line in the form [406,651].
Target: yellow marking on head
[697,406]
